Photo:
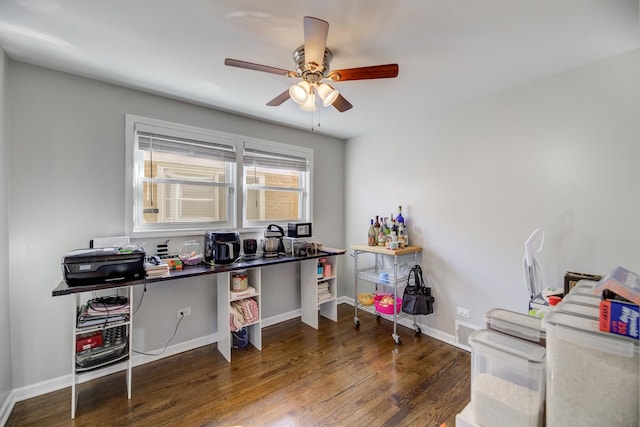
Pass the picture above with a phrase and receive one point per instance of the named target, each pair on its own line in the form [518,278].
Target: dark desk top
[195,270]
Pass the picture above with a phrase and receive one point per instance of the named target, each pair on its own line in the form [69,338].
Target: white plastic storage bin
[584,286]
[591,300]
[507,380]
[578,309]
[519,325]
[592,376]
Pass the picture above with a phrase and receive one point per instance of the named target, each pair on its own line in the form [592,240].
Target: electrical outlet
[184,312]
[464,312]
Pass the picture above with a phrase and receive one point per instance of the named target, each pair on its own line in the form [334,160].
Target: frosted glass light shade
[310,103]
[300,92]
[327,94]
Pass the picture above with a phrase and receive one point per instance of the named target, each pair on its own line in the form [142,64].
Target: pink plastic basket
[386,308]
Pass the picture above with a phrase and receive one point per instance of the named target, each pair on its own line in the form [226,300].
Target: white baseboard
[7,407]
[54,384]
[281,318]
[408,322]
[138,359]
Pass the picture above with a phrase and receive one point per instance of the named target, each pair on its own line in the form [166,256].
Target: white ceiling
[449,51]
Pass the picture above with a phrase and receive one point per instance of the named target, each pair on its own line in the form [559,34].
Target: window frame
[236,200]
[133,210]
[306,202]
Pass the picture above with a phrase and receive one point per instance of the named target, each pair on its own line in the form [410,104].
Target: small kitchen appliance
[299,229]
[272,244]
[250,247]
[221,247]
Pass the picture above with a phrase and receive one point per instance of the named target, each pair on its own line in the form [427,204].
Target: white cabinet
[319,289]
[225,298]
[103,347]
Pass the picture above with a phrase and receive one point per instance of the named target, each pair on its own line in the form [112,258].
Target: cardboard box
[620,318]
[622,283]
[571,279]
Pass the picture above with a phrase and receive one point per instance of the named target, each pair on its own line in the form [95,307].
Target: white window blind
[183,179]
[271,160]
[159,143]
[276,182]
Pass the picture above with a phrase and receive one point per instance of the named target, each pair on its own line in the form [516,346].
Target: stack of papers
[100,313]
[160,270]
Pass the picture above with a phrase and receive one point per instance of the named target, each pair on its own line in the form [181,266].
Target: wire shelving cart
[387,275]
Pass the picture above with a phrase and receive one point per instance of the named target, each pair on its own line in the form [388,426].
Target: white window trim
[277,148]
[236,214]
[131,171]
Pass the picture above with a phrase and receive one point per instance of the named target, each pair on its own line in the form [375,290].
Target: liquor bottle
[400,218]
[376,226]
[406,235]
[381,237]
[372,236]
[401,241]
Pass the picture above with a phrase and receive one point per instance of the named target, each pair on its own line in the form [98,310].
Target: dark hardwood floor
[334,376]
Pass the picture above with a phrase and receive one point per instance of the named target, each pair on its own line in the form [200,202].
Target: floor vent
[463,330]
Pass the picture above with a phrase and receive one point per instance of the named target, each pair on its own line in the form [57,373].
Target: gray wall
[560,153]
[67,152]
[5,336]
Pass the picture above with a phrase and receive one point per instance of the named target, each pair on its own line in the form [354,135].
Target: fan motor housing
[301,67]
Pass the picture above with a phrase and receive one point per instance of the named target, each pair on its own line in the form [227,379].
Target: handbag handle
[418,282]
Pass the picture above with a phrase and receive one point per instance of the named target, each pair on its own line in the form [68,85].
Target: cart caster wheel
[357,323]
[397,340]
[377,317]
[418,331]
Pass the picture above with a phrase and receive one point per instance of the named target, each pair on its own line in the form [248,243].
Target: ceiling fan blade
[315,42]
[257,67]
[374,72]
[341,104]
[279,99]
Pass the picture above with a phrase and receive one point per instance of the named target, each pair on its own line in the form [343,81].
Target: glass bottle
[376,226]
[381,237]
[400,218]
[372,236]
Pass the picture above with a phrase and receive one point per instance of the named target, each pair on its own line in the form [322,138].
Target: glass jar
[191,252]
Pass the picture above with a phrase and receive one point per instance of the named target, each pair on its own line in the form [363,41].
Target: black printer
[102,265]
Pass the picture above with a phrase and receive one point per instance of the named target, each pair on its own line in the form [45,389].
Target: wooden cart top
[384,251]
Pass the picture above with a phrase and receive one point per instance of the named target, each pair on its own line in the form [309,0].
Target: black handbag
[417,298]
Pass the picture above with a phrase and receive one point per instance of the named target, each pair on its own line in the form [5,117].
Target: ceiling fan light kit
[300,92]
[327,94]
[310,104]
[312,61]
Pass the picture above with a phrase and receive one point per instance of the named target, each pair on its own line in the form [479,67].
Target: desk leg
[130,337]
[224,330]
[74,377]
[309,292]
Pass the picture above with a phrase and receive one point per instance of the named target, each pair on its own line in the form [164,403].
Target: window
[183,180]
[276,182]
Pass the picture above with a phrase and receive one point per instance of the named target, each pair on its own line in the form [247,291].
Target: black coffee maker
[221,247]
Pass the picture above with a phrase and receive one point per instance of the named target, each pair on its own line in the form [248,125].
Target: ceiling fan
[312,66]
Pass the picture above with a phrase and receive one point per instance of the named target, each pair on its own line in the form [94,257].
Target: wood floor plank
[337,375]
